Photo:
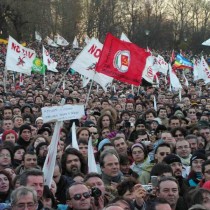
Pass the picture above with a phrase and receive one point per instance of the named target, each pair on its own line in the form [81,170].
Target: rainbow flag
[182,63]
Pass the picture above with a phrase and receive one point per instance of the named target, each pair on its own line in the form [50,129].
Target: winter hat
[171,158]
[102,143]
[23,127]
[179,114]
[88,123]
[5,133]
[142,146]
[197,155]
[38,118]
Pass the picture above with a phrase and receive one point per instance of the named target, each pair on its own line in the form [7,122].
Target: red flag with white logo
[122,60]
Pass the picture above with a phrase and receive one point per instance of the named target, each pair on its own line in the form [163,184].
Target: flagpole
[60,82]
[5,80]
[91,84]
[44,81]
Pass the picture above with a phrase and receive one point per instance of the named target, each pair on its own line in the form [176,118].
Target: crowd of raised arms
[147,158]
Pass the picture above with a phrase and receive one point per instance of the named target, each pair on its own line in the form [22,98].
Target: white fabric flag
[162,66]
[180,95]
[74,137]
[50,42]
[124,37]
[85,63]
[85,81]
[38,36]
[186,83]
[148,73]
[19,58]
[175,83]
[48,61]
[196,69]
[92,167]
[206,43]
[205,70]
[75,44]
[61,41]
[49,164]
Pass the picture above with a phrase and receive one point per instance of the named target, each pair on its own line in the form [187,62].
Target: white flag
[19,58]
[85,81]
[50,42]
[38,36]
[148,73]
[75,44]
[85,63]
[206,43]
[155,103]
[74,137]
[92,167]
[205,71]
[61,41]
[49,164]
[186,83]
[175,83]
[123,37]
[162,66]
[21,79]
[48,61]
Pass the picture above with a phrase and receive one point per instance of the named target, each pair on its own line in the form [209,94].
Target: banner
[38,66]
[85,63]
[122,60]
[205,71]
[48,61]
[19,58]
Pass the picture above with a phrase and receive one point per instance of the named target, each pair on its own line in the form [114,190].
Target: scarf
[108,179]
[185,161]
[140,167]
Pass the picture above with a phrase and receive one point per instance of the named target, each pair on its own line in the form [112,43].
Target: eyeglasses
[164,153]
[93,133]
[79,196]
[5,155]
[192,112]
[183,147]
[21,206]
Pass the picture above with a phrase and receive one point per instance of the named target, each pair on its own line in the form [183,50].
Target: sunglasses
[79,196]
[164,153]
[93,133]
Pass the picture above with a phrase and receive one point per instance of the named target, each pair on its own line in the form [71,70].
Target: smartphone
[154,181]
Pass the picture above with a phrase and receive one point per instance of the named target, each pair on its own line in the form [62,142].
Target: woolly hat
[88,123]
[171,158]
[23,127]
[5,133]
[102,143]
[197,155]
[38,118]
[179,114]
[142,146]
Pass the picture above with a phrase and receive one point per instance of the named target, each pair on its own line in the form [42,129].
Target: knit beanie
[197,155]
[23,127]
[171,158]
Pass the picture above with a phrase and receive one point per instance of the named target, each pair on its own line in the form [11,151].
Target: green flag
[38,66]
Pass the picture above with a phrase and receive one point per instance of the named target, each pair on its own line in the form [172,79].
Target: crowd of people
[148,157]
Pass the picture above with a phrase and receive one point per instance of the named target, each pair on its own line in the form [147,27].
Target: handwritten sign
[61,113]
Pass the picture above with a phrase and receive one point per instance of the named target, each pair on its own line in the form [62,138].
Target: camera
[95,192]
[148,188]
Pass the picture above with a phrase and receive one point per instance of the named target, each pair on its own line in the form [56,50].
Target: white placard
[60,113]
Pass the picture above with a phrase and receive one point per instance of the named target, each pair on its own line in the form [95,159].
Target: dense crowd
[147,158]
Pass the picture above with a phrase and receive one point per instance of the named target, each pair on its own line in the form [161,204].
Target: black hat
[23,127]
[171,158]
[197,155]
[88,123]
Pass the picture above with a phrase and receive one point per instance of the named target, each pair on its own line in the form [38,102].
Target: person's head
[109,162]
[9,136]
[139,152]
[7,113]
[196,161]
[48,198]
[33,178]
[5,182]
[95,180]
[168,189]
[179,133]
[18,153]
[24,197]
[83,147]
[162,113]
[29,160]
[193,141]
[205,131]
[158,204]
[174,122]
[6,156]
[126,188]
[206,170]
[25,132]
[38,139]
[7,124]
[120,145]
[161,151]
[72,162]
[161,169]
[175,163]
[83,134]
[183,148]
[78,197]
[106,120]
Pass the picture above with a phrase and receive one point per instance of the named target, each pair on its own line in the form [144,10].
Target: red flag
[122,60]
